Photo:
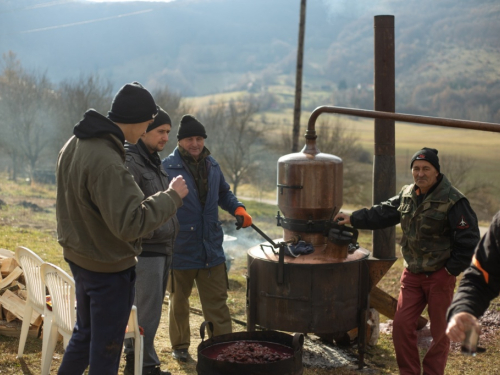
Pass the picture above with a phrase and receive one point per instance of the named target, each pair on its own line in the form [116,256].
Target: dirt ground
[490,324]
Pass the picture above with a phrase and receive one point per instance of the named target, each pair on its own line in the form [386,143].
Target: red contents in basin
[248,352]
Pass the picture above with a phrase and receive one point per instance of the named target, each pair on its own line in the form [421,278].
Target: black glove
[239,221]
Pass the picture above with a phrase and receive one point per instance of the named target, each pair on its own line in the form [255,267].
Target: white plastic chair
[35,288]
[62,292]
[133,331]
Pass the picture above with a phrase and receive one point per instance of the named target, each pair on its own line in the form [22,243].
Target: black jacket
[151,177]
[481,282]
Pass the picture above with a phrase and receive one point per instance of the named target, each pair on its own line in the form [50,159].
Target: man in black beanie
[101,216]
[198,254]
[440,232]
[153,264]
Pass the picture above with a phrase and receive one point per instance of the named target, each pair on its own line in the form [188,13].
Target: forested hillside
[447,52]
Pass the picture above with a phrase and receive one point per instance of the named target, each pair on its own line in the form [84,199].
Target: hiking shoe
[180,354]
[129,364]
[155,371]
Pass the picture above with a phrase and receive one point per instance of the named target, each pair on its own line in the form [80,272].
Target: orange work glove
[243,219]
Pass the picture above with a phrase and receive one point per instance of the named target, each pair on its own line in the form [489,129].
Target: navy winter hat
[132,104]
[161,119]
[190,127]
[429,155]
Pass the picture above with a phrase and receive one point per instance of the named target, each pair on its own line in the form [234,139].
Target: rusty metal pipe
[384,159]
[426,120]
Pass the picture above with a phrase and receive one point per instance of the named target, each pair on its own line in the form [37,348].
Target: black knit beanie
[429,155]
[161,119]
[190,127]
[132,104]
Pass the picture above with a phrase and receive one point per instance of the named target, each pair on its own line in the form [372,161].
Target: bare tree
[75,97]
[27,101]
[235,138]
[461,171]
[176,107]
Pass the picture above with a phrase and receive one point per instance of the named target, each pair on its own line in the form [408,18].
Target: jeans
[104,301]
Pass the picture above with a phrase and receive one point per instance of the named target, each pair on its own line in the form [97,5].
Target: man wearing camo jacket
[440,232]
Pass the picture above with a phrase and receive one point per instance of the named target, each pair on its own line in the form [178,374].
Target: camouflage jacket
[440,231]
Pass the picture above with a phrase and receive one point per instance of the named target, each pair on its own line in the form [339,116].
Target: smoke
[238,242]
[356,9]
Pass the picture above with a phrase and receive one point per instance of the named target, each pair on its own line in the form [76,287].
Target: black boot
[155,371]
[180,354]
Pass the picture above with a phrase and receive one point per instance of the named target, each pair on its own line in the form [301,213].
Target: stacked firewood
[13,298]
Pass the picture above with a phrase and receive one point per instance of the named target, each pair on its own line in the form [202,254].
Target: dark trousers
[103,301]
[417,291]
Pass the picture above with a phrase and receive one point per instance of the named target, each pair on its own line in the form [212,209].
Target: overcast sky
[123,1]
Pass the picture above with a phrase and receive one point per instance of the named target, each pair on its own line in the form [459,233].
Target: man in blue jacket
[198,254]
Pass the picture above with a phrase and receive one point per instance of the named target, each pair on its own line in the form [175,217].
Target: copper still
[325,292]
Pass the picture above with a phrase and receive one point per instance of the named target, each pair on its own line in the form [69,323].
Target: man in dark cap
[440,232]
[153,263]
[198,254]
[101,216]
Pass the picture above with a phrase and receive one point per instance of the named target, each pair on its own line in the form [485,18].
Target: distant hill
[447,51]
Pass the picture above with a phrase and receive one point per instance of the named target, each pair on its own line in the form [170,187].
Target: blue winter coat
[199,242]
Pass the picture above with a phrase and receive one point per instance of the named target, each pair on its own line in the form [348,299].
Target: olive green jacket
[101,212]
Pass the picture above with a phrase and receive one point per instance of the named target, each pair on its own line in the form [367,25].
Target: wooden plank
[12,276]
[7,253]
[15,305]
[385,304]
[8,265]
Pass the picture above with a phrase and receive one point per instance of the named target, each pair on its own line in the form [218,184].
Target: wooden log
[10,317]
[385,304]
[12,276]
[23,294]
[8,265]
[15,305]
[13,329]
[38,321]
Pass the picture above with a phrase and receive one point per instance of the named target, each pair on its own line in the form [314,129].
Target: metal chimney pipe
[384,165]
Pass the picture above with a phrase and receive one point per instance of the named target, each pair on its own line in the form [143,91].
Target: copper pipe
[439,121]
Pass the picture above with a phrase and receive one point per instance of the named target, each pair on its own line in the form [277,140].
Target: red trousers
[417,291]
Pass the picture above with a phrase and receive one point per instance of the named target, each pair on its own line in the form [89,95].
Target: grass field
[20,225]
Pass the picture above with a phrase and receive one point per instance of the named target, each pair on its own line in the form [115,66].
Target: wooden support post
[385,304]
